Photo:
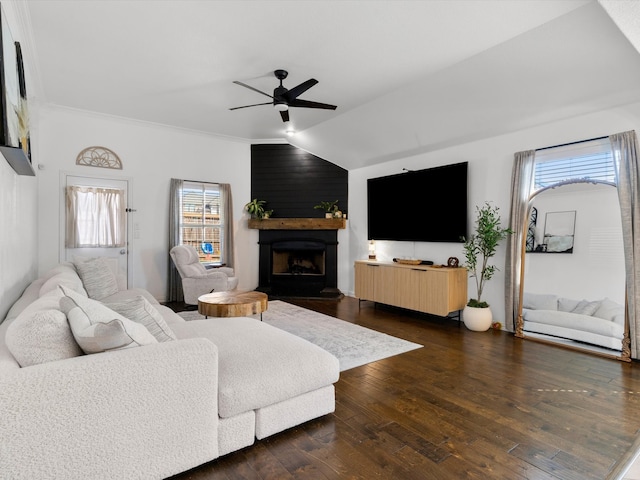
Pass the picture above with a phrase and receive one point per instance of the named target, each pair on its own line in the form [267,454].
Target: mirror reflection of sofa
[598,322]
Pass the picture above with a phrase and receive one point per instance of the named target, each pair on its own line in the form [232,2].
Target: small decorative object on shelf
[453,262]
[372,249]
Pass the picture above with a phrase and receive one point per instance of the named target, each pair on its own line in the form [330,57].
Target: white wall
[18,234]
[151,156]
[595,269]
[18,216]
[490,166]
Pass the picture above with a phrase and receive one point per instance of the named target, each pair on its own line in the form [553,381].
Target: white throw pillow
[141,311]
[97,328]
[567,304]
[608,309]
[97,277]
[586,308]
[41,337]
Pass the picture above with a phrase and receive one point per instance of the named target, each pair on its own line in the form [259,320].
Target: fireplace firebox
[299,263]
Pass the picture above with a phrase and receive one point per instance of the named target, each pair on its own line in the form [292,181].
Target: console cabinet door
[365,281]
[409,289]
[385,285]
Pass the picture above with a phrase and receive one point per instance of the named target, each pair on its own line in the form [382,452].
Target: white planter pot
[477,319]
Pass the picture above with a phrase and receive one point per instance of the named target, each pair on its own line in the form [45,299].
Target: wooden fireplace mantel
[298,223]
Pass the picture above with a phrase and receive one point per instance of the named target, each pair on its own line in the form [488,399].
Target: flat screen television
[421,206]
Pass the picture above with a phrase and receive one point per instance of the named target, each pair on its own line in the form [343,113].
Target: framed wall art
[14,127]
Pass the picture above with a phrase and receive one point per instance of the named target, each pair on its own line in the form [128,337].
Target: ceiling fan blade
[300,89]
[285,115]
[254,105]
[251,88]
[309,104]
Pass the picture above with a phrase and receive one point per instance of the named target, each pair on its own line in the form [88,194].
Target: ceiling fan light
[281,107]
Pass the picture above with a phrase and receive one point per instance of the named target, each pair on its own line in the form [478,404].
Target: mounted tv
[420,206]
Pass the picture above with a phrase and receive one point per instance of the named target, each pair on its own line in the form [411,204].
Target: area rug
[352,344]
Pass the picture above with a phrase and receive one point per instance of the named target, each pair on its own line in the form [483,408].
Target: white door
[120,253]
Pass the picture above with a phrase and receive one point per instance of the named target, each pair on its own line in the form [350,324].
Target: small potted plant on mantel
[478,249]
[255,208]
[330,209]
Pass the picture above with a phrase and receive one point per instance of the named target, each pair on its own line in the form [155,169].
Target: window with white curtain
[202,220]
[95,217]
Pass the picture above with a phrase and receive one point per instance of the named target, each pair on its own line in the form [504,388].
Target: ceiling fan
[284,98]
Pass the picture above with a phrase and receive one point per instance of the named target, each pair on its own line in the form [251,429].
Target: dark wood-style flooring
[468,405]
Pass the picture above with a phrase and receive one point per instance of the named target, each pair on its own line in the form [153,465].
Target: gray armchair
[196,279]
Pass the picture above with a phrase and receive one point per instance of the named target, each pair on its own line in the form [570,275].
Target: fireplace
[299,263]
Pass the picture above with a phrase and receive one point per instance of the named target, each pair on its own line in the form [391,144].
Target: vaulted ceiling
[407,76]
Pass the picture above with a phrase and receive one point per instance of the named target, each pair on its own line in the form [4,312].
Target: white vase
[477,319]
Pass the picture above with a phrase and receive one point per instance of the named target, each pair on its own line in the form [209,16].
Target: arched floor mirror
[572,275]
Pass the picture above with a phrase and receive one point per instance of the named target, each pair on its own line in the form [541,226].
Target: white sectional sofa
[599,322]
[190,392]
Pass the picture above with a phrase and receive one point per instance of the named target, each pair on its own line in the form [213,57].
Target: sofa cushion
[30,295]
[97,328]
[539,301]
[97,277]
[574,321]
[141,311]
[41,337]
[68,278]
[60,267]
[259,364]
[586,308]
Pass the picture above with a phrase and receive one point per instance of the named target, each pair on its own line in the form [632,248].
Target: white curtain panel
[95,217]
[625,151]
[521,189]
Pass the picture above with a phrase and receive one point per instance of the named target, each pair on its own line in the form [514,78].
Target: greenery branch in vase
[478,250]
[256,209]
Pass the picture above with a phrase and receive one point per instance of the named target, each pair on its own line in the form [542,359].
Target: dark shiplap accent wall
[292,181]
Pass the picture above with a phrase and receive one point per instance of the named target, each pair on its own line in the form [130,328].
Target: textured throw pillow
[41,337]
[97,328]
[141,311]
[608,309]
[97,277]
[567,304]
[586,308]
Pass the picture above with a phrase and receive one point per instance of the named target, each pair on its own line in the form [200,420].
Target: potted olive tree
[478,250]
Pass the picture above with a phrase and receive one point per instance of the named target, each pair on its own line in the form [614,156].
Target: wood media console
[428,289]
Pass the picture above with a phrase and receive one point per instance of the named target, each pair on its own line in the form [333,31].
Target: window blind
[591,160]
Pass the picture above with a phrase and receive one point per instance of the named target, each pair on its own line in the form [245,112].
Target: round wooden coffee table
[232,304]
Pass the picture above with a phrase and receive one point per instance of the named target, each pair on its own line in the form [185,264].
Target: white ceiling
[407,76]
